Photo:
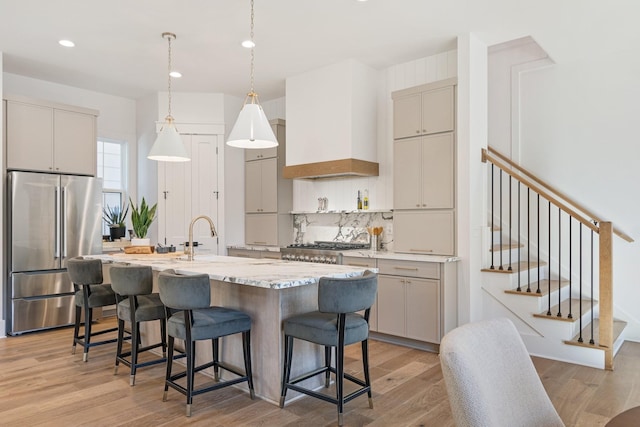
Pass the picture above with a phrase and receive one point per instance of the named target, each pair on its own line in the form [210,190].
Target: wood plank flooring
[42,384]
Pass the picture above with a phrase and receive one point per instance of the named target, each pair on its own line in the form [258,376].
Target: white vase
[141,242]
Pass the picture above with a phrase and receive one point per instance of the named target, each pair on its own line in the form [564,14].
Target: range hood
[331,169]
[331,122]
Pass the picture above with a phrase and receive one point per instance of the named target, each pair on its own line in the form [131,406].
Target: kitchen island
[270,291]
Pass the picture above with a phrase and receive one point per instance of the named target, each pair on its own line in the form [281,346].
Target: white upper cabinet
[424,172]
[50,138]
[423,113]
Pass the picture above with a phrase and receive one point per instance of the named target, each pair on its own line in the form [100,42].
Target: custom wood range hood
[331,122]
[331,169]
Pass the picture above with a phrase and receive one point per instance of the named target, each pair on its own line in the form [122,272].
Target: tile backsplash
[342,227]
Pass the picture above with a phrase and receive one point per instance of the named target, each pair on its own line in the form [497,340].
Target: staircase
[549,268]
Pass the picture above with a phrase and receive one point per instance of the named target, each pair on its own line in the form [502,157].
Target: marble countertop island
[263,273]
[269,291]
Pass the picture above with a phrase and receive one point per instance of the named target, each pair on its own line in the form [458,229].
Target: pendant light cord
[169,37]
[252,93]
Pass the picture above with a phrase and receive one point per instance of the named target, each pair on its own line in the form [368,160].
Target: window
[112,169]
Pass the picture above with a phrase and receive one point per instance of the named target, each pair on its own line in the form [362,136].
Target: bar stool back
[133,285]
[196,321]
[335,325]
[86,275]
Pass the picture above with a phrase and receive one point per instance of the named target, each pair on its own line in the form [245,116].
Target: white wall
[233,193]
[579,133]
[471,174]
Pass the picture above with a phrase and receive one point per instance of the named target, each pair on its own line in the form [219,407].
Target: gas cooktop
[329,246]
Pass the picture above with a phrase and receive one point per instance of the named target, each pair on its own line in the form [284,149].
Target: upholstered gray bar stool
[335,325]
[86,275]
[133,285]
[196,321]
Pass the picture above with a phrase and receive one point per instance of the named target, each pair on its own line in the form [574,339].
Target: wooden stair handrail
[499,158]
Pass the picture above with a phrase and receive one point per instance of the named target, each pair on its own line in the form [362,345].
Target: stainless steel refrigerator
[51,218]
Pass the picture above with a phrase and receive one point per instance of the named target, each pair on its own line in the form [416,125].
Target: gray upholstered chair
[136,303]
[86,276]
[491,380]
[196,320]
[335,325]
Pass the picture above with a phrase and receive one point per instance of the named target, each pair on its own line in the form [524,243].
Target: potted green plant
[141,219]
[115,219]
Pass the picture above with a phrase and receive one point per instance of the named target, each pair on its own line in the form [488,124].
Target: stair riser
[508,256]
[510,280]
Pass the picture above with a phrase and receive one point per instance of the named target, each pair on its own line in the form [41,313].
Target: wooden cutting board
[150,255]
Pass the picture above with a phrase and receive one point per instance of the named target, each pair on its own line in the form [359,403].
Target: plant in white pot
[141,218]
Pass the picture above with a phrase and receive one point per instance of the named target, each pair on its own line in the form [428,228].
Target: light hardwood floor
[42,384]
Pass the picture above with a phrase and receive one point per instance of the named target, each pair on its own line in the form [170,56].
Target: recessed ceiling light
[66,43]
[176,74]
[248,44]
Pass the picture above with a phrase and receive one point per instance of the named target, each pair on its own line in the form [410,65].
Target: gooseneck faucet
[189,250]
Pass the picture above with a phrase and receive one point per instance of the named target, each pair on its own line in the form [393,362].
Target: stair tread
[515,267]
[618,327]
[544,288]
[564,310]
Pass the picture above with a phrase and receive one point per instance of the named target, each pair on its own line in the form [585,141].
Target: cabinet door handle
[355,264]
[417,205]
[418,131]
[259,243]
[421,250]
[407,268]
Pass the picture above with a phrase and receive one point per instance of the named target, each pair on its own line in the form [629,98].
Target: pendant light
[252,129]
[168,146]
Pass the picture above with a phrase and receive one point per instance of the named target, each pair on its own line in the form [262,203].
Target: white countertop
[366,253]
[264,273]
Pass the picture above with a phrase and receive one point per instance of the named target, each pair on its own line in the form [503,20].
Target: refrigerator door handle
[63,211]
[56,210]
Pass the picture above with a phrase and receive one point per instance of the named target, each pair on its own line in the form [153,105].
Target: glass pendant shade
[168,146]
[252,129]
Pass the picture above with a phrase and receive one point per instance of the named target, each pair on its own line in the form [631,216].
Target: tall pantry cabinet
[268,196]
[424,168]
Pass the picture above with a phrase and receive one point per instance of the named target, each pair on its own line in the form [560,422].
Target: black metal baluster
[591,341]
[519,289]
[492,251]
[549,255]
[559,263]
[500,214]
[580,276]
[528,240]
[510,203]
[570,316]
[538,215]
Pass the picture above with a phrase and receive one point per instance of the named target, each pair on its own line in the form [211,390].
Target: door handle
[56,210]
[63,214]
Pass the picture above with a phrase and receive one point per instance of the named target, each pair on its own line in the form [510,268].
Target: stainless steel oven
[320,252]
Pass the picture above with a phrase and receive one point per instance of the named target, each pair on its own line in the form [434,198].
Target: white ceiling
[119,48]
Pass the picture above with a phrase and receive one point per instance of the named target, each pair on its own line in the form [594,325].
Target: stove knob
[306,258]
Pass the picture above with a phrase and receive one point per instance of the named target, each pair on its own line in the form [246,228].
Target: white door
[187,190]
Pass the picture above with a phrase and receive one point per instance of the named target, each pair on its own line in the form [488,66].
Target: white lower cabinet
[409,300]
[261,229]
[428,232]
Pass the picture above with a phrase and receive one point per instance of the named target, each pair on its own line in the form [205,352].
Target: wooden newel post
[606,292]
